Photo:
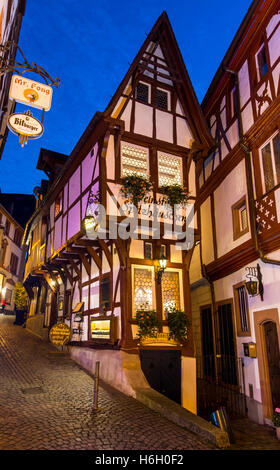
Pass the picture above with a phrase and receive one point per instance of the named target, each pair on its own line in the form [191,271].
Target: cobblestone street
[46,403]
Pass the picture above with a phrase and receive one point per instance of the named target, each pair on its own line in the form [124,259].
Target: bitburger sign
[26,125]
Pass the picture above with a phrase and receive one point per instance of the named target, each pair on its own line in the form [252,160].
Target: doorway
[273,360]
[162,370]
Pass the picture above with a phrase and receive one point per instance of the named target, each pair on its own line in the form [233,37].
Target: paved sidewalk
[46,403]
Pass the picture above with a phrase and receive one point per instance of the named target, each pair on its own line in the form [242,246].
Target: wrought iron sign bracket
[9,64]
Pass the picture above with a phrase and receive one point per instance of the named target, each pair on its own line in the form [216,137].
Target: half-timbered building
[153,127]
[235,272]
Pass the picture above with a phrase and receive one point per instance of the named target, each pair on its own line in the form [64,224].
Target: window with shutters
[134,160]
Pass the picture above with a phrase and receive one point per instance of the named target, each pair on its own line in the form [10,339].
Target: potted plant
[276,421]
[21,300]
[134,188]
[178,323]
[148,323]
[176,194]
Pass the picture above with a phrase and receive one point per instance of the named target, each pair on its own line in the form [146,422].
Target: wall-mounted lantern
[254,284]
[160,270]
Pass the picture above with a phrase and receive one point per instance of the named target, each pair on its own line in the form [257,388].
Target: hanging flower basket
[134,188]
[176,194]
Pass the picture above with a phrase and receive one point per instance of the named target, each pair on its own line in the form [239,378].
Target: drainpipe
[249,178]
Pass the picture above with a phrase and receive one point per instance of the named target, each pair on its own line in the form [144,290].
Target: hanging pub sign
[60,334]
[26,91]
[25,126]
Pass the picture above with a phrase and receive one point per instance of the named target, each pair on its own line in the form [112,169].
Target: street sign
[30,92]
[26,125]
[60,334]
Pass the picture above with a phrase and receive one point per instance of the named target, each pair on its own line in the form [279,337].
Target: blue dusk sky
[89,45]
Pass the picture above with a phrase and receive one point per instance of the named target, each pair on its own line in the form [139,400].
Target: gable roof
[162,35]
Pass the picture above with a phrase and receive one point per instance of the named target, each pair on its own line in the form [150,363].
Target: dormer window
[261,60]
[142,92]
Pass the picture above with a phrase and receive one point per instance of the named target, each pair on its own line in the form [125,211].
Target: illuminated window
[134,160]
[142,289]
[270,162]
[170,290]
[169,169]
[240,218]
[58,205]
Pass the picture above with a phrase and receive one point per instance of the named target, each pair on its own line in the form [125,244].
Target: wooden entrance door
[162,370]
[273,359]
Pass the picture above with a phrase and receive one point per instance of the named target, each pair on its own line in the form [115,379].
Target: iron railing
[220,382]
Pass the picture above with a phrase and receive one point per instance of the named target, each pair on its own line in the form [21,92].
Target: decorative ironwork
[10,64]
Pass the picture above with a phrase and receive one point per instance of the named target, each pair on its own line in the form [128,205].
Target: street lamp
[160,270]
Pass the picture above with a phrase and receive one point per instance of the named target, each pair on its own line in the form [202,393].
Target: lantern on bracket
[160,270]
[254,284]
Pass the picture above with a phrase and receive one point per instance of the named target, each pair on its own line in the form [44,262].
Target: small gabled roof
[163,35]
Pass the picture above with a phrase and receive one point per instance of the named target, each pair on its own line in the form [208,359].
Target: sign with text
[60,334]
[30,92]
[25,124]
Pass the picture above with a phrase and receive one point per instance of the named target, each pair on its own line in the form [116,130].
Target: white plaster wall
[184,134]
[244,83]
[188,384]
[274,45]
[143,119]
[195,266]
[230,191]
[206,232]
[164,126]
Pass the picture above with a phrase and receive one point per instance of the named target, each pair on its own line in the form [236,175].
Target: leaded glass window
[170,290]
[134,160]
[169,169]
[142,92]
[143,289]
[161,99]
